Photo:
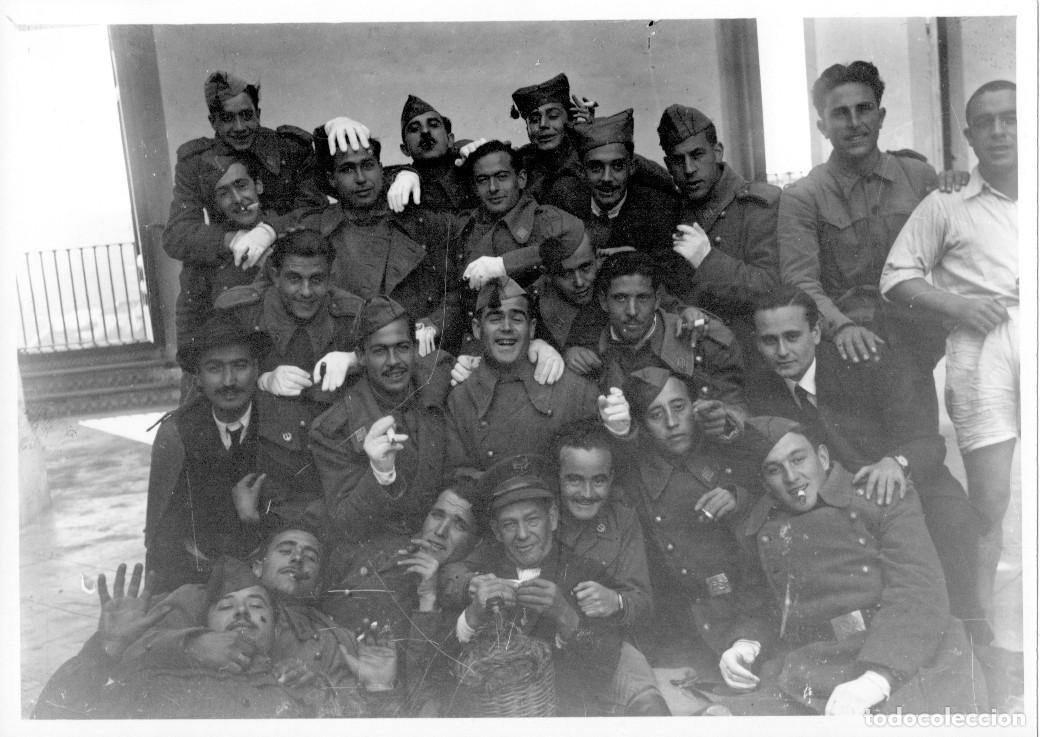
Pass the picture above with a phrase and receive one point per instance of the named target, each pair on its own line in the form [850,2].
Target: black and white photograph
[466,364]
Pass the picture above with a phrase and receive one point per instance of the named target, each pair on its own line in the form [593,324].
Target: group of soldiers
[613,406]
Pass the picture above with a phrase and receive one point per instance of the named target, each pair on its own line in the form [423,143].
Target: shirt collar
[612,213]
[977,185]
[724,191]
[222,427]
[846,179]
[807,382]
[835,492]
[281,326]
[642,341]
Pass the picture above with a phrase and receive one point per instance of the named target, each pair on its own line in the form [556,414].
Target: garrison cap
[678,123]
[415,106]
[642,387]
[516,479]
[528,99]
[377,313]
[222,329]
[556,249]
[496,290]
[618,128]
[229,575]
[762,433]
[222,86]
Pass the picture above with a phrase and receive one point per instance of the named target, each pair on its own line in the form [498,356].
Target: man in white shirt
[968,242]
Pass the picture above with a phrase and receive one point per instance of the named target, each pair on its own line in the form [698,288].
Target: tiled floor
[98,480]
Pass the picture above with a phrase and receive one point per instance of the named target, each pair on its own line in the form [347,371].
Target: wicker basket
[505,673]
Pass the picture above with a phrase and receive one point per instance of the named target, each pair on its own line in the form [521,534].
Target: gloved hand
[469,148]
[425,335]
[285,381]
[249,246]
[405,186]
[483,270]
[692,243]
[464,366]
[858,695]
[548,363]
[382,443]
[735,662]
[343,131]
[337,366]
[615,413]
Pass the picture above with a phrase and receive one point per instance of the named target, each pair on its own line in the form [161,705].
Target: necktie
[235,435]
[805,400]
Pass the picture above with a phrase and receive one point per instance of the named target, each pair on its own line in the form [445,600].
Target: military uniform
[701,561]
[864,590]
[443,185]
[496,413]
[714,364]
[285,163]
[356,504]
[412,257]
[739,218]
[564,324]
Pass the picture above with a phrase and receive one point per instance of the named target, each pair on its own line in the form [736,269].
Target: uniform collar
[282,326]
[265,147]
[485,379]
[724,192]
[883,169]
[835,492]
[520,220]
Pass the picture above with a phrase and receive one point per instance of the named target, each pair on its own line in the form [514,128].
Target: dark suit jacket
[866,411]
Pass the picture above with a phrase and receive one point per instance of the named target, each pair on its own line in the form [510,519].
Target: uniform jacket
[286,165]
[189,494]
[874,566]
[200,287]
[563,324]
[494,415]
[866,411]
[740,220]
[685,552]
[443,185]
[515,236]
[614,539]
[835,229]
[714,364]
[357,505]
[412,257]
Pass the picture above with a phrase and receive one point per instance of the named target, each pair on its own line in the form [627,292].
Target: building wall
[311,72]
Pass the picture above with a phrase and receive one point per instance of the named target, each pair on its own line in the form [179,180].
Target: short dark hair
[305,243]
[587,434]
[469,490]
[326,162]
[252,90]
[627,263]
[837,74]
[786,295]
[992,86]
[492,147]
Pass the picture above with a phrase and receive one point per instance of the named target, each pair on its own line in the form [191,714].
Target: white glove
[583,110]
[406,184]
[858,695]
[469,148]
[381,445]
[285,381]
[483,270]
[464,366]
[735,662]
[692,243]
[425,335]
[337,365]
[615,413]
[343,131]
[548,362]
[249,246]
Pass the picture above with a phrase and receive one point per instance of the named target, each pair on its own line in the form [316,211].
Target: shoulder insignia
[194,147]
[909,153]
[298,134]
[245,295]
[766,194]
[344,303]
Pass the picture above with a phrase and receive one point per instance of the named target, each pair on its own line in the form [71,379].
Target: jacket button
[764,538]
[491,454]
[863,541]
[303,423]
[853,514]
[859,490]
[363,571]
[549,412]
[706,626]
[718,238]
[727,470]
[483,423]
[684,571]
[722,214]
[865,569]
[657,518]
[669,547]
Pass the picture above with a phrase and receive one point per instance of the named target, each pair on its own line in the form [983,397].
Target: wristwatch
[903,464]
